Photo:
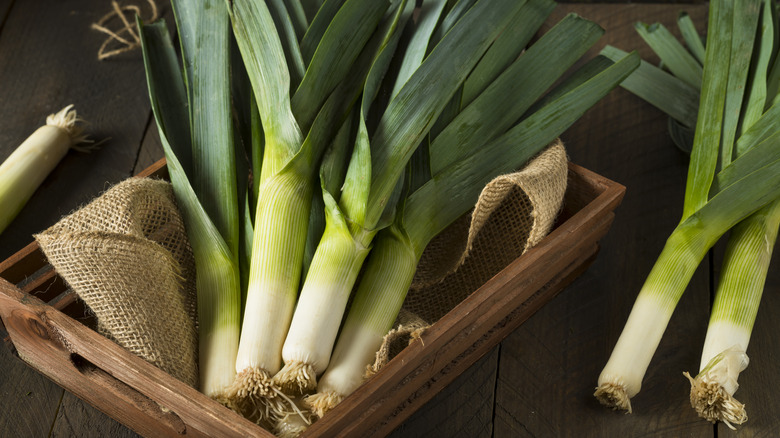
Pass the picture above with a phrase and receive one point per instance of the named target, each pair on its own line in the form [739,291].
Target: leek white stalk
[280,229]
[741,285]
[327,287]
[622,376]
[27,166]
[273,278]
[338,256]
[745,266]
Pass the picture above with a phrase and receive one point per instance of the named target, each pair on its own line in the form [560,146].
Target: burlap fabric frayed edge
[514,212]
[127,257]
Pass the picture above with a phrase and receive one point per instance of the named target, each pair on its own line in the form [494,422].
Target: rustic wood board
[23,391]
[537,390]
[76,418]
[464,409]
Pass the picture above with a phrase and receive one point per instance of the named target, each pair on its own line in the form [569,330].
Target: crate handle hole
[82,365]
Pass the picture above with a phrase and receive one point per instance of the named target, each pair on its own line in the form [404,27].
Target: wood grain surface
[539,381]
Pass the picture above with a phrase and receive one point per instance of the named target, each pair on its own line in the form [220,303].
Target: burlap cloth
[127,256]
[514,212]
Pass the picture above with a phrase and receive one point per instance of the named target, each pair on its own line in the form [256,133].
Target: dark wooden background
[539,381]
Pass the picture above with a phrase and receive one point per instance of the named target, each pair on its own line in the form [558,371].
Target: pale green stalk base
[741,285]
[712,391]
[355,351]
[386,279]
[321,306]
[216,360]
[721,336]
[277,256]
[219,316]
[26,168]
[266,320]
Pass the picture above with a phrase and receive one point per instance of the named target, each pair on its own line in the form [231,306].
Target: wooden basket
[42,317]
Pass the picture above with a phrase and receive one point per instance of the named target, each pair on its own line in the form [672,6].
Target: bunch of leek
[444,180]
[371,188]
[732,184]
[446,80]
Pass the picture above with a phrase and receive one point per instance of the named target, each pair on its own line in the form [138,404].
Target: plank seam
[8,14]
[140,149]
[56,414]
[495,392]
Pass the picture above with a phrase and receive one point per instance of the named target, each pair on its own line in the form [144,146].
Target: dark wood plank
[28,400]
[54,63]
[463,409]
[549,367]
[76,418]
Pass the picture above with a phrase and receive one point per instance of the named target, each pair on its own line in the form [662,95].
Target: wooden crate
[48,329]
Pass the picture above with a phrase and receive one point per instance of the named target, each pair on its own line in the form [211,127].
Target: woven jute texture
[127,256]
[514,212]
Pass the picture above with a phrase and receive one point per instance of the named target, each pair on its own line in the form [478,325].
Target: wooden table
[539,381]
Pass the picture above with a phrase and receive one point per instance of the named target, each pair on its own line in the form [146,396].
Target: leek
[745,267]
[438,202]
[363,209]
[27,166]
[217,278]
